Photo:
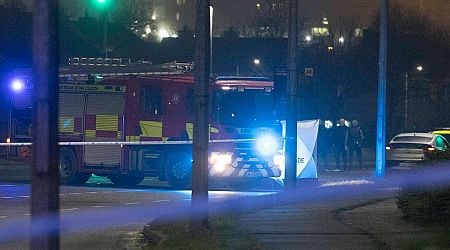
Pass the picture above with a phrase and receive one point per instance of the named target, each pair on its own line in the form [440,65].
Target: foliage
[426,207]
[271,19]
[223,233]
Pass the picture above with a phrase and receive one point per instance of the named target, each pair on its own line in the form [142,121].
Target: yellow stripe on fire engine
[66,124]
[132,138]
[90,133]
[107,122]
[190,130]
[151,128]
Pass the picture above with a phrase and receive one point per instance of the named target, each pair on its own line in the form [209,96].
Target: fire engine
[128,126]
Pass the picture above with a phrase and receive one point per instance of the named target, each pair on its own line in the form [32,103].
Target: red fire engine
[128,126]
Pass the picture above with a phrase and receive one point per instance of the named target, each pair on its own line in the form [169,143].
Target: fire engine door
[103,123]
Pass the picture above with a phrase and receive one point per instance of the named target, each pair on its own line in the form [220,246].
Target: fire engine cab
[129,126]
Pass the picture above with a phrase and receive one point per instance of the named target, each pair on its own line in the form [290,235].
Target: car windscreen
[418,139]
[447,136]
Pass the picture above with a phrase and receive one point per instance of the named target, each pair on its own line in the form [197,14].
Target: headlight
[267,144]
[279,161]
[220,161]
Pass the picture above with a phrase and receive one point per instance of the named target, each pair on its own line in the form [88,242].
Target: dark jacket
[354,136]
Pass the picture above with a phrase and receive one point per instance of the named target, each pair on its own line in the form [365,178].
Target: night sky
[437,10]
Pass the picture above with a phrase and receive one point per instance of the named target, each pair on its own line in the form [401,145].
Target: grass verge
[224,232]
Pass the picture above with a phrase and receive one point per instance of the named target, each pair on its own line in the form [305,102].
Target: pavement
[365,223]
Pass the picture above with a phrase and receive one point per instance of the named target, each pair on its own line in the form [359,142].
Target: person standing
[339,144]
[353,142]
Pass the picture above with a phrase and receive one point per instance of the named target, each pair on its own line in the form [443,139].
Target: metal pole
[381,116]
[406,101]
[8,154]
[211,21]
[44,177]
[291,118]
[201,120]
[105,33]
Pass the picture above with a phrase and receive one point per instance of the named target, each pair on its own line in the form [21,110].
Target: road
[97,195]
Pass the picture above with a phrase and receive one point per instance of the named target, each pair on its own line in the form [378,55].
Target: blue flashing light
[267,144]
[17,85]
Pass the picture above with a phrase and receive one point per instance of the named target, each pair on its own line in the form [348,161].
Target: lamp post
[17,85]
[418,68]
[257,63]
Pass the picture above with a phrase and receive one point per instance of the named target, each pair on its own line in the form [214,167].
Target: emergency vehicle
[129,126]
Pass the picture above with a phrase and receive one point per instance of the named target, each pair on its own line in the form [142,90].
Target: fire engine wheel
[67,168]
[179,170]
[126,180]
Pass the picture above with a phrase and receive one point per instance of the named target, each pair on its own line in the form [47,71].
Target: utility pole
[291,114]
[45,177]
[199,220]
[381,116]
[406,100]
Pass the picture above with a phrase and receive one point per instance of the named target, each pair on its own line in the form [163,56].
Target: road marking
[187,199]
[98,206]
[6,197]
[92,192]
[24,196]
[6,185]
[161,201]
[2,217]
[218,197]
[70,209]
[132,203]
[26,214]
[75,193]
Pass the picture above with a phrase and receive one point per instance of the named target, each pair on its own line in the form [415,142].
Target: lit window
[178,2]
[320,31]
[178,16]
[258,6]
[358,33]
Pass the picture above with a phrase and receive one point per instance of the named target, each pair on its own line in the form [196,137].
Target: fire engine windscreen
[244,107]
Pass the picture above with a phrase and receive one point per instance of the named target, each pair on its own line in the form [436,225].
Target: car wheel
[179,170]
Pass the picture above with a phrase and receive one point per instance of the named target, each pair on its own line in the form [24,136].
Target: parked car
[411,149]
[445,132]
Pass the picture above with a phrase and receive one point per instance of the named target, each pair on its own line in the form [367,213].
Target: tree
[333,55]
[413,40]
[271,19]
[130,13]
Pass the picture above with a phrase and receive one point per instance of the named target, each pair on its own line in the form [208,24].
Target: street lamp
[17,85]
[418,68]
[257,62]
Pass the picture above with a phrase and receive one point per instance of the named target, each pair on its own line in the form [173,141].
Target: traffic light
[101,4]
